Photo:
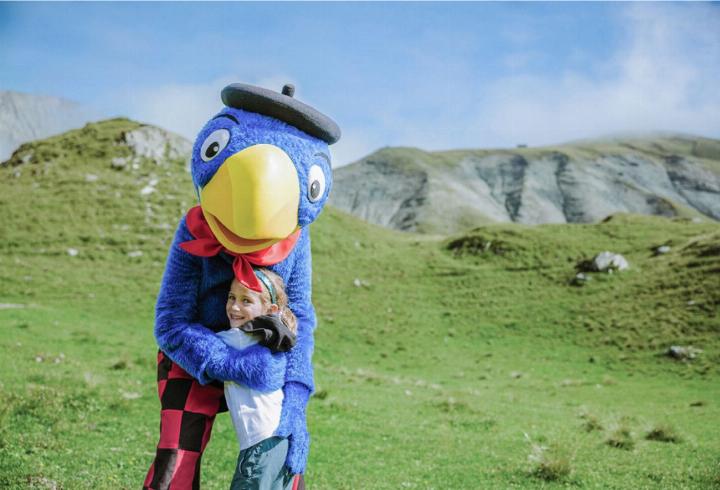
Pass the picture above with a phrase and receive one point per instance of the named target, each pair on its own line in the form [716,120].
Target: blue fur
[191,302]
[293,425]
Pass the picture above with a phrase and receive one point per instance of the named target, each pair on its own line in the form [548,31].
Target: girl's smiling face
[244,304]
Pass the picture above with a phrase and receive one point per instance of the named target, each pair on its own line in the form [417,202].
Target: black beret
[281,106]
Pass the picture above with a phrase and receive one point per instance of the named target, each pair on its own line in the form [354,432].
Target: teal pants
[262,467]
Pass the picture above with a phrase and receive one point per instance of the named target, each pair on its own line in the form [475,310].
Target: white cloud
[663,77]
[185,108]
[354,144]
[181,108]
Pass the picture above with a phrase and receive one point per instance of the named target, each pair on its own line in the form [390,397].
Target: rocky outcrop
[156,144]
[447,192]
[698,185]
[394,206]
[152,144]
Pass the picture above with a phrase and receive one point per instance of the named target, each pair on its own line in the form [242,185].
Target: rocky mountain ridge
[446,192]
[439,192]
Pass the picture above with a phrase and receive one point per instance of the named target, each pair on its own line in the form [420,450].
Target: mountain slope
[106,185]
[25,117]
[433,356]
[446,192]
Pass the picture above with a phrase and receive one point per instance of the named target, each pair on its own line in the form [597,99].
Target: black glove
[272,332]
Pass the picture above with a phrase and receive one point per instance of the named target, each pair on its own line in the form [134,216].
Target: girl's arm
[193,346]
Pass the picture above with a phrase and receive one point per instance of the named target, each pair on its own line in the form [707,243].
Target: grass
[552,462]
[429,373]
[591,422]
[621,437]
[663,433]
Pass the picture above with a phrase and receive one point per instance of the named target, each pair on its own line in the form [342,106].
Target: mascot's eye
[316,183]
[214,144]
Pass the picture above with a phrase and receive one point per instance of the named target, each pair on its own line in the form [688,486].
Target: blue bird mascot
[261,170]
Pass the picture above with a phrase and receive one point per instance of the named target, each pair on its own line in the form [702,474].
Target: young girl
[265,318]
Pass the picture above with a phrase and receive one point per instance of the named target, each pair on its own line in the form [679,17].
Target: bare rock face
[698,185]
[156,144]
[150,144]
[385,192]
[501,179]
[447,192]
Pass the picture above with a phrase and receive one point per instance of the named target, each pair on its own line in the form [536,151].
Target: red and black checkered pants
[187,414]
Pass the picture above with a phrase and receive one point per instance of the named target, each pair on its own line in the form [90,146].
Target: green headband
[268,285]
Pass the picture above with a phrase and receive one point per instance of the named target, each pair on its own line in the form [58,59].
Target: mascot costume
[261,170]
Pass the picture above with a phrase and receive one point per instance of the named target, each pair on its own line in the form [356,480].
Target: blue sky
[432,75]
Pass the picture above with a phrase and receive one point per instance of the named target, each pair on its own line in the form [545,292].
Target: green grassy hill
[460,362]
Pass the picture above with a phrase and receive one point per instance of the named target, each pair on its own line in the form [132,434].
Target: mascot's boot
[186,420]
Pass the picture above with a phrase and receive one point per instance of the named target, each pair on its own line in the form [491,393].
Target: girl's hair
[285,312]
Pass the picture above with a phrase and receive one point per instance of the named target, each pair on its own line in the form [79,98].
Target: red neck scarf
[206,245]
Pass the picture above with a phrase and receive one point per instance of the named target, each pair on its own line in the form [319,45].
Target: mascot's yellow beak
[252,200]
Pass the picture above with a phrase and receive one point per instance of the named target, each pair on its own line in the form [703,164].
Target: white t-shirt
[255,415]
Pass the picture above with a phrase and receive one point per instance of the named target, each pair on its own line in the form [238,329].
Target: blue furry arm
[193,346]
[293,425]
[299,292]
[299,379]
